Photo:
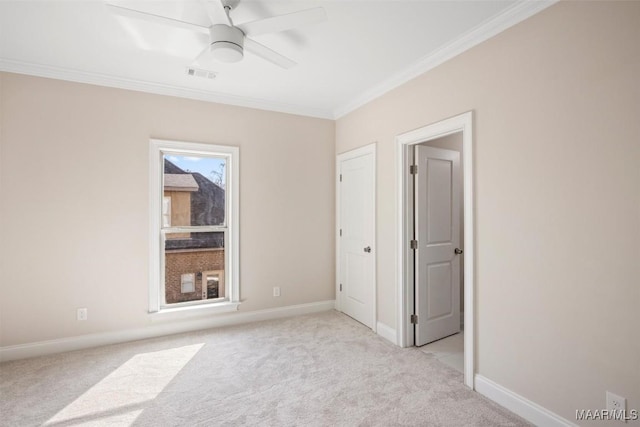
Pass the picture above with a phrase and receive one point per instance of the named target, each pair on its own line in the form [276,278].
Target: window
[187,283]
[194,226]
[166,211]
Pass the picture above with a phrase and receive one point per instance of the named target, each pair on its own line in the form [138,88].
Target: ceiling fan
[229,41]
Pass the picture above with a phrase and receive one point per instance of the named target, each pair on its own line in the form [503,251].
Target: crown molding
[67,74]
[520,11]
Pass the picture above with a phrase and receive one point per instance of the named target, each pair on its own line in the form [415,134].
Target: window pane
[188,283]
[194,266]
[194,190]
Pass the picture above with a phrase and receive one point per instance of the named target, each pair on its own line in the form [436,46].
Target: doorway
[355,234]
[409,270]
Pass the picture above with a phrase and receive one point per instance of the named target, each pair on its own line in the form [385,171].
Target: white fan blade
[216,12]
[267,54]
[284,22]
[202,54]
[157,19]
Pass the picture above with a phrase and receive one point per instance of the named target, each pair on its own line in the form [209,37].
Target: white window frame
[158,148]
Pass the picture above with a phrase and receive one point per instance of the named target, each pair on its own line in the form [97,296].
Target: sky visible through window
[210,167]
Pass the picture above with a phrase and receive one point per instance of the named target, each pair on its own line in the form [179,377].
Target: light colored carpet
[317,370]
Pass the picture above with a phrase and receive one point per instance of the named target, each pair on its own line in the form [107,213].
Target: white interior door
[356,221]
[437,205]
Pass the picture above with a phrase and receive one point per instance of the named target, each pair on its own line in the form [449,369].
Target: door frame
[405,262]
[358,152]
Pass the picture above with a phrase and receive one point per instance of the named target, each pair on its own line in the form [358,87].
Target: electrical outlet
[616,403]
[82,314]
[276,291]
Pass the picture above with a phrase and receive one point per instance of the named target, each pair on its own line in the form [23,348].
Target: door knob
[457,251]
[368,249]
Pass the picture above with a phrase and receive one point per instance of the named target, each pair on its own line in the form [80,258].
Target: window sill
[194,310]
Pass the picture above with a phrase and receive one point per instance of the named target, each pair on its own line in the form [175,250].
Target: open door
[437,204]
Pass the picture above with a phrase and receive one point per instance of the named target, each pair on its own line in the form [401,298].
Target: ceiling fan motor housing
[227,43]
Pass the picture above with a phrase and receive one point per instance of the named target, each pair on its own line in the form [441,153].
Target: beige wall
[75,203]
[556,103]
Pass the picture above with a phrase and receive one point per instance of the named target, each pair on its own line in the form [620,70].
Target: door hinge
[414,319]
[414,244]
[341,232]
[340,287]
[413,169]
[340,177]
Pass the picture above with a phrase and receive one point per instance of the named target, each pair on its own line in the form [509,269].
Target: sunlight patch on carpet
[119,397]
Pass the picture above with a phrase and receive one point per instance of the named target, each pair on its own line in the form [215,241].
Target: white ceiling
[364,49]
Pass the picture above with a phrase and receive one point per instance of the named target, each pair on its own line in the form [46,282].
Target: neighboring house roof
[180,182]
[207,205]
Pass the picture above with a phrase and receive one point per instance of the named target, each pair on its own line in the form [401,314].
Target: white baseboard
[40,348]
[517,404]
[386,332]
